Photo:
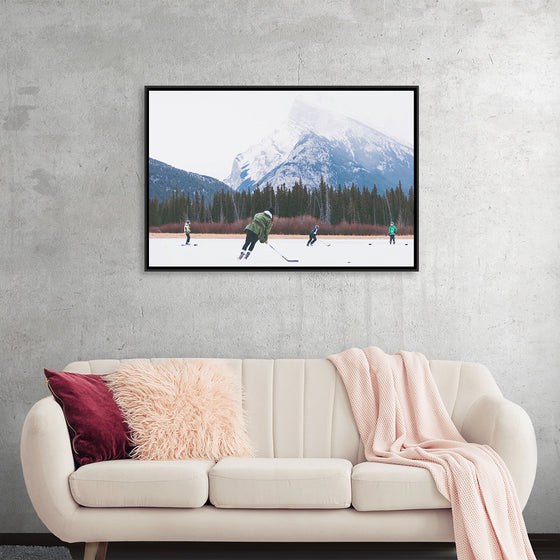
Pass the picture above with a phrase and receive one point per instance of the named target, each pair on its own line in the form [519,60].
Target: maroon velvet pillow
[95,423]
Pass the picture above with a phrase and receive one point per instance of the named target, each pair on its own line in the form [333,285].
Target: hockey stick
[327,244]
[285,258]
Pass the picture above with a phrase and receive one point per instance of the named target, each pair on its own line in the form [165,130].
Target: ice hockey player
[257,230]
[312,236]
[392,232]
[188,232]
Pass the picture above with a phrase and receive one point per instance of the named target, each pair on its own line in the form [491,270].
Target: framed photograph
[282,177]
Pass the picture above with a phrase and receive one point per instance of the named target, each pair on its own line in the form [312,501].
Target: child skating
[188,232]
[257,230]
[312,236]
[392,233]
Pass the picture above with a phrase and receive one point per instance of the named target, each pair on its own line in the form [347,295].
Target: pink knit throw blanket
[402,420]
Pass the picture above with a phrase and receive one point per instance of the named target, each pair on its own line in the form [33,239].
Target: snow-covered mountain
[315,142]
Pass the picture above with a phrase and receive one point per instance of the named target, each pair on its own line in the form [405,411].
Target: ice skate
[242,254]
[247,255]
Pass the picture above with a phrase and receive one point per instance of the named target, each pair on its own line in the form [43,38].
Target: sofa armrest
[47,461]
[507,428]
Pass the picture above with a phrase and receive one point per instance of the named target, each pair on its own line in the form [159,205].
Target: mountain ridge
[315,143]
[164,179]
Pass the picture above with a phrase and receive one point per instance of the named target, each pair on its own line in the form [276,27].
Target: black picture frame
[367,178]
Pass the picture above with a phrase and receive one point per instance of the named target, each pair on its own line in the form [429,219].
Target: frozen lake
[212,252]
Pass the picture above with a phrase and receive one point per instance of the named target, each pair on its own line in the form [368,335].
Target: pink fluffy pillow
[181,409]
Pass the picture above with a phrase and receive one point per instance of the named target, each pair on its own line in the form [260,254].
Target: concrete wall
[72,185]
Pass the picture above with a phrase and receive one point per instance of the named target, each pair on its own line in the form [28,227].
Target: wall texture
[72,214]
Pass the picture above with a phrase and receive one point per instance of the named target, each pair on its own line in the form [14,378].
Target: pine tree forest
[346,210]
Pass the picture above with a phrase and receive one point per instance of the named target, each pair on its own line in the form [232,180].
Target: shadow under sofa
[309,480]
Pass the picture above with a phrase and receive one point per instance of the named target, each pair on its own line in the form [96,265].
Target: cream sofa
[309,481]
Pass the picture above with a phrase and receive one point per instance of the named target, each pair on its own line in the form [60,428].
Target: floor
[545,549]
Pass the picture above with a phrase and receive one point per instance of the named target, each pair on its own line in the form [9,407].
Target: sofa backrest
[299,407]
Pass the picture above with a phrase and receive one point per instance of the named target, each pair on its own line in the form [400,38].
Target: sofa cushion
[281,483]
[135,483]
[382,486]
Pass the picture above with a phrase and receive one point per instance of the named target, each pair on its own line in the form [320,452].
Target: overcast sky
[203,131]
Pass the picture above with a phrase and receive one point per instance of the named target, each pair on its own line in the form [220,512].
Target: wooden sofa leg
[95,551]
[90,551]
[102,551]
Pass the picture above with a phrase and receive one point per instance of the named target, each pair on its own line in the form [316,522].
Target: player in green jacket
[257,230]
[392,232]
[188,232]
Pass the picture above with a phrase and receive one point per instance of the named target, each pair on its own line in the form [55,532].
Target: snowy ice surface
[346,253]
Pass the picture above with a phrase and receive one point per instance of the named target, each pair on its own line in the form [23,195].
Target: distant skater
[313,236]
[257,230]
[188,232]
[392,233]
